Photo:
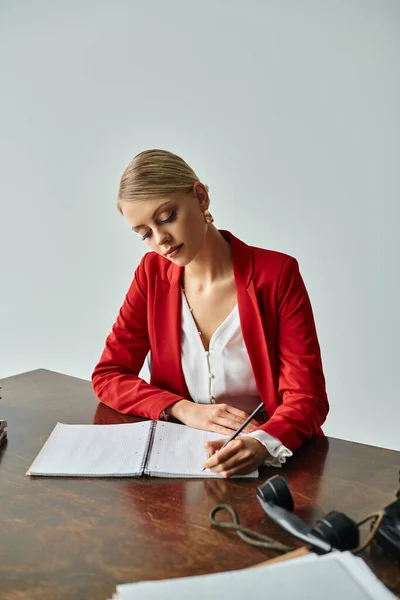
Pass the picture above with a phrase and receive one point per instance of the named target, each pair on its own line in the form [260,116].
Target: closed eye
[169,219]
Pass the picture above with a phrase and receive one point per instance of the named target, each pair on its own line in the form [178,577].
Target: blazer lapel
[250,318]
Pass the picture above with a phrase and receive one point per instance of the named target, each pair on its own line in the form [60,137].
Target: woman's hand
[242,455]
[220,418]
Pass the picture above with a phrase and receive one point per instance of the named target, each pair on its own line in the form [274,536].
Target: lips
[173,251]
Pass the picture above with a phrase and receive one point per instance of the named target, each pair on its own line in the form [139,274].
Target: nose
[161,237]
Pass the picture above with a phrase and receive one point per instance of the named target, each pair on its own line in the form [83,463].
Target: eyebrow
[153,215]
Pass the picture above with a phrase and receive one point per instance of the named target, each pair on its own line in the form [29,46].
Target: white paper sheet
[93,451]
[337,576]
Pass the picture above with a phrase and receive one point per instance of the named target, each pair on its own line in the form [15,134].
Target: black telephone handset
[334,531]
[387,536]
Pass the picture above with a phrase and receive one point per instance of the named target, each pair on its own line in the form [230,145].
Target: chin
[183,258]
[180,261]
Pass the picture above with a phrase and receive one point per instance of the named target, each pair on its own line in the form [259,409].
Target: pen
[243,425]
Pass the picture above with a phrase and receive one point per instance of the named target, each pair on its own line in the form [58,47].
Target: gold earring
[208,218]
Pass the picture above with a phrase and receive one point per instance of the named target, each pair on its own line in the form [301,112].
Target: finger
[250,428]
[228,423]
[223,455]
[241,414]
[212,447]
[236,417]
[240,469]
[221,412]
[236,451]
[238,459]
[216,428]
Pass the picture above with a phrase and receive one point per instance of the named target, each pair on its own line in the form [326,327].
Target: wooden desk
[77,538]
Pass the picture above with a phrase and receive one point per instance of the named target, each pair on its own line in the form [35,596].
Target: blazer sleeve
[301,384]
[115,379]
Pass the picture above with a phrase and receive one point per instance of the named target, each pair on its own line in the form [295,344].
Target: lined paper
[171,450]
[94,451]
[178,451]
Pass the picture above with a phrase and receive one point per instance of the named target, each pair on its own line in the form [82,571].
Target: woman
[226,325]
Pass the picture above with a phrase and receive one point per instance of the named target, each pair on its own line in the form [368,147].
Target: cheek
[194,225]
[152,245]
[194,235]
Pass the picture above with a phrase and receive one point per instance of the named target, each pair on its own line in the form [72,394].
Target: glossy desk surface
[78,538]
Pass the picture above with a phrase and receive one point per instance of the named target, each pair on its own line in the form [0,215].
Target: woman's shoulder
[272,258]
[267,254]
[261,258]
[272,265]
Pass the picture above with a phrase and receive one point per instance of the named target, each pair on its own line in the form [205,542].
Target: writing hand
[240,456]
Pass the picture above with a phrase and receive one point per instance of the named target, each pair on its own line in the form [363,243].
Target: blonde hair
[154,173]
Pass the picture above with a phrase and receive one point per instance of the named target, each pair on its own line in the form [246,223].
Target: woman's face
[172,226]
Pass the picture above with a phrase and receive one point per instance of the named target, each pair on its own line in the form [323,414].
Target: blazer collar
[242,257]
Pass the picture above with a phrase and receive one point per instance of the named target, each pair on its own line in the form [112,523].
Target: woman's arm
[115,378]
[301,380]
[301,383]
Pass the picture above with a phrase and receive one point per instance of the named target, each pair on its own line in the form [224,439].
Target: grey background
[288,110]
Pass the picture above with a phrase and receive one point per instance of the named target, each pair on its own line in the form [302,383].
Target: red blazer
[278,330]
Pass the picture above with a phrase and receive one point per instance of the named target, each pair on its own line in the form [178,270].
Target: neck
[213,262]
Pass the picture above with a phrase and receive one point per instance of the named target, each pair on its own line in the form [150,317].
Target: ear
[201,195]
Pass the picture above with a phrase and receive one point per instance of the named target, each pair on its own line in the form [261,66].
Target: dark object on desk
[387,536]
[247,535]
[335,531]
[3,431]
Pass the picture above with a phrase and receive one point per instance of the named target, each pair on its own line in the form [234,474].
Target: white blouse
[223,374]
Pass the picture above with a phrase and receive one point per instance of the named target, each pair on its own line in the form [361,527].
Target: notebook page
[94,451]
[310,579]
[178,451]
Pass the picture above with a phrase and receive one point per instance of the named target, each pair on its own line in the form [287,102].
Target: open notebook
[151,448]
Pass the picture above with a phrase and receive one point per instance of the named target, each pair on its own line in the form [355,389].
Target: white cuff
[278,452]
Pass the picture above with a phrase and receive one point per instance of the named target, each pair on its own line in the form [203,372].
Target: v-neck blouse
[223,374]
